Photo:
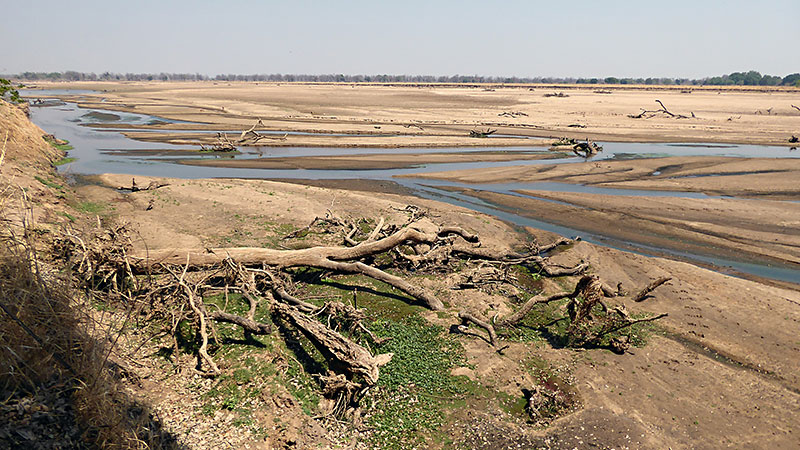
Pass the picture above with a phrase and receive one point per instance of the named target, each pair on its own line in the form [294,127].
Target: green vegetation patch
[61,144]
[88,207]
[250,363]
[49,183]
[416,387]
[65,160]
[549,322]
[10,92]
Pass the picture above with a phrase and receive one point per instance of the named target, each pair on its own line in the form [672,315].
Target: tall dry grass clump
[57,386]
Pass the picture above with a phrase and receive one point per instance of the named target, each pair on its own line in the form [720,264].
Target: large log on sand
[341,259]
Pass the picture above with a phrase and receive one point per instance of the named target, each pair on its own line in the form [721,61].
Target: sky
[668,38]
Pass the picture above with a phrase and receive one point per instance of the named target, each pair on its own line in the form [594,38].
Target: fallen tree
[249,136]
[586,326]
[481,134]
[586,149]
[663,111]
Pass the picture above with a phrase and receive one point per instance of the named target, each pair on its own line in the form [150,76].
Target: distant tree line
[751,78]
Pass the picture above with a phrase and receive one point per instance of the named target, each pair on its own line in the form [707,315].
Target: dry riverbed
[436,115]
[723,374]
[768,178]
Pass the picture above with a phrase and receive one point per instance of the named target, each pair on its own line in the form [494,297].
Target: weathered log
[586,149]
[332,258]
[515,318]
[135,187]
[354,358]
[200,313]
[481,134]
[649,288]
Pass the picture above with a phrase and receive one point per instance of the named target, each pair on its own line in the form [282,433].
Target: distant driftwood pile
[248,137]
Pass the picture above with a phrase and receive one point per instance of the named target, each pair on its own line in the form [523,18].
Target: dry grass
[58,388]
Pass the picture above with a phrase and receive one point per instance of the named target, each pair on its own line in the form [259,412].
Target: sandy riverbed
[444,115]
[371,161]
[713,175]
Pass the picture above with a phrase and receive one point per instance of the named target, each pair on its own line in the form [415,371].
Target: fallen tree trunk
[332,258]
[354,358]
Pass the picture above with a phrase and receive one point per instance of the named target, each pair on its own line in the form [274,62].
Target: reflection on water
[109,151]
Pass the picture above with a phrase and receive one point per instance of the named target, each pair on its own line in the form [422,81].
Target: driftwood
[136,188]
[338,259]
[564,141]
[248,137]
[663,111]
[512,114]
[796,107]
[251,132]
[481,134]
[584,328]
[354,358]
[583,149]
[175,281]
[556,94]
[222,145]
[649,288]
[247,324]
[199,311]
[467,318]
[586,149]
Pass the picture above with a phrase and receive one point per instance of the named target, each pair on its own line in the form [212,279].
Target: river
[107,150]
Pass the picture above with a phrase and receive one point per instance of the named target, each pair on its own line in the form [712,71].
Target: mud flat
[344,141]
[742,209]
[735,230]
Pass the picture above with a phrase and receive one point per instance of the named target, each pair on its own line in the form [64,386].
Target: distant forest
[751,78]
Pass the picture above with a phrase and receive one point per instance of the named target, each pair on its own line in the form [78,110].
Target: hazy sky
[671,38]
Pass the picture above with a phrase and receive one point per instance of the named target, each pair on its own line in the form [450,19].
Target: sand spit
[370,162]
